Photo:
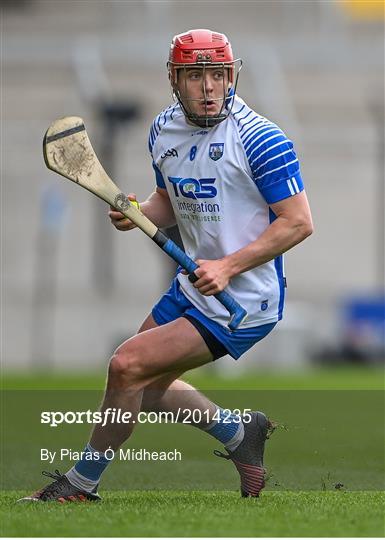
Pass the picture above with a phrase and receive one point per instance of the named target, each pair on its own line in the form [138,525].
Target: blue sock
[226,428]
[88,470]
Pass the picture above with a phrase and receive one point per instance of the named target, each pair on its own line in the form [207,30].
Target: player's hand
[214,276]
[120,221]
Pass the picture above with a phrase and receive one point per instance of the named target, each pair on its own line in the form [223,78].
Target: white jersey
[220,181]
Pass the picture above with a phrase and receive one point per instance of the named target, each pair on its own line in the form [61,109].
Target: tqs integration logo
[194,188]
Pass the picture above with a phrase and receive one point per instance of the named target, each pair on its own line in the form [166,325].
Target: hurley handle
[237,312]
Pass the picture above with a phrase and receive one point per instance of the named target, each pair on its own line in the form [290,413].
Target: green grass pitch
[326,468]
[182,513]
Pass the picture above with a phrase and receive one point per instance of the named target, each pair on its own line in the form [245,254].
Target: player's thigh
[154,392]
[167,378]
[173,347]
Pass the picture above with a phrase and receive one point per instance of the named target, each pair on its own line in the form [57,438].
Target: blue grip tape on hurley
[237,312]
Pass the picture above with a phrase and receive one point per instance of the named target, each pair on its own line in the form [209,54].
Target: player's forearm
[159,210]
[280,236]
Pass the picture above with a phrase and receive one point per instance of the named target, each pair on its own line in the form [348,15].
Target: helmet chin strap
[205,121]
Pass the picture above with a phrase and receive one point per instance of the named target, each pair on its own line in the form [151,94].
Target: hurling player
[230,179]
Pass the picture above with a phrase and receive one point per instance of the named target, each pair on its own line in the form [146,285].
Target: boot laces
[53,489]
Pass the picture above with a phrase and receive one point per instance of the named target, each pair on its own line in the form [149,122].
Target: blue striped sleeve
[282,189]
[276,169]
[272,159]
[159,177]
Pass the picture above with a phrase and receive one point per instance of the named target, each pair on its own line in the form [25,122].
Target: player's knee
[125,368]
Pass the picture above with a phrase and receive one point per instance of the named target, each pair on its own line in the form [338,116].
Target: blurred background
[72,287]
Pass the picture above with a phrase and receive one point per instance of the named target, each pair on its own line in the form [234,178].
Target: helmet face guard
[226,100]
[203,50]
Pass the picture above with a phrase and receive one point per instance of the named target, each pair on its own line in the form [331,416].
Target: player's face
[203,90]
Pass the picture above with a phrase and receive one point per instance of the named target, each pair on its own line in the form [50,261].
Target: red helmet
[205,49]
[198,46]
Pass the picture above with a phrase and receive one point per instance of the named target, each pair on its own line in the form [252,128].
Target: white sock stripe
[80,481]
[233,443]
[90,449]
